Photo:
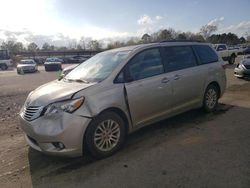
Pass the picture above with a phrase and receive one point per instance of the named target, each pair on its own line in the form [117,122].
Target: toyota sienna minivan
[118,91]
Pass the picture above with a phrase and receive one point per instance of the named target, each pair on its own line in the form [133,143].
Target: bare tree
[165,35]
[146,38]
[32,47]
[94,45]
[46,46]
[13,47]
[207,30]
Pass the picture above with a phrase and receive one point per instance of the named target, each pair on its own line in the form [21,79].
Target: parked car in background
[118,91]
[77,59]
[53,64]
[5,60]
[225,53]
[26,65]
[246,51]
[39,60]
[242,70]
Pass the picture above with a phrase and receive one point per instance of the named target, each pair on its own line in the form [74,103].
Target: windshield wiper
[77,80]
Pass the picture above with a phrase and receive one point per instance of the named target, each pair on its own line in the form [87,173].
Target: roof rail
[176,40]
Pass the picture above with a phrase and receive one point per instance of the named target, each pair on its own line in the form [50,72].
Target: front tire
[211,98]
[105,135]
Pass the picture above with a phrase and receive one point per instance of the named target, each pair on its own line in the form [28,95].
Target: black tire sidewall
[205,107]
[89,136]
[232,60]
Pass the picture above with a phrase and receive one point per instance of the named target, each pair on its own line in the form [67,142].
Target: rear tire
[105,135]
[211,98]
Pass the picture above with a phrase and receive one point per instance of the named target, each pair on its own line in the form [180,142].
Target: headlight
[66,106]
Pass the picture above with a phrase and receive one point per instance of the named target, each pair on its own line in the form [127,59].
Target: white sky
[54,20]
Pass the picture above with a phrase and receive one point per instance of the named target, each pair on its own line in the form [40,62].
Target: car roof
[155,44]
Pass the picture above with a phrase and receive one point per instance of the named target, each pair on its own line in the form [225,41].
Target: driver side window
[146,64]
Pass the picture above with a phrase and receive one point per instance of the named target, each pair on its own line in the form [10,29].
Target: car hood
[53,92]
[26,65]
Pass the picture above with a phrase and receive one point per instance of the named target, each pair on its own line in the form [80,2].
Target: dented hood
[53,92]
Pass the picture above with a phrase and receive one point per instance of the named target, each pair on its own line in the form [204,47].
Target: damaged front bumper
[60,134]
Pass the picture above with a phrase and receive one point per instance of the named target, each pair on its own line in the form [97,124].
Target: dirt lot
[191,150]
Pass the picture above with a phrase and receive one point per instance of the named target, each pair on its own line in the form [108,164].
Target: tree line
[205,35]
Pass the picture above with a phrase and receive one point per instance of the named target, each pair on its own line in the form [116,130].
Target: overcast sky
[27,20]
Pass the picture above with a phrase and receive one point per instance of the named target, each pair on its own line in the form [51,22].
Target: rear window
[206,54]
[179,57]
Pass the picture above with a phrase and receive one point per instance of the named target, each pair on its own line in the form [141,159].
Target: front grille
[32,112]
[247,66]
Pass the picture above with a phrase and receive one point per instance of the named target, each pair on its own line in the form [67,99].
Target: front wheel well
[216,85]
[120,113]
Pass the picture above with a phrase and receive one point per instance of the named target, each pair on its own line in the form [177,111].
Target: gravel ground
[190,150]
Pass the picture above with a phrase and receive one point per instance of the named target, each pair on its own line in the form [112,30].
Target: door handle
[165,80]
[177,77]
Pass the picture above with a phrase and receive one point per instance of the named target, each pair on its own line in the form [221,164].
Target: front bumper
[65,128]
[53,67]
[241,73]
[27,70]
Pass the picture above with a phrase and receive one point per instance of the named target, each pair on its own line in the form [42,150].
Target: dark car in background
[53,64]
[242,70]
[26,65]
[39,60]
[77,59]
[246,50]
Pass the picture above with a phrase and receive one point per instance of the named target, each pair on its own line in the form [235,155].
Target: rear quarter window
[206,54]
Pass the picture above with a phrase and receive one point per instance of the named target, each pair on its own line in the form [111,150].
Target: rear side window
[146,64]
[179,57]
[206,54]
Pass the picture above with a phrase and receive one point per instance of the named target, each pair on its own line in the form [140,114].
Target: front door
[149,90]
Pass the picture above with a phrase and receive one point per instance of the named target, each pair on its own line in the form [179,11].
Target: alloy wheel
[107,135]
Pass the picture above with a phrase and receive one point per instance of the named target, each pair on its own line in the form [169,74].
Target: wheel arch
[116,110]
[121,113]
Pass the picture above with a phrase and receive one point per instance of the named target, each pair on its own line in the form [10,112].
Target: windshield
[26,62]
[52,60]
[98,67]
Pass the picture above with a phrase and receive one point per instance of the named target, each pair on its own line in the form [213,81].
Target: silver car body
[139,103]
[31,66]
[243,68]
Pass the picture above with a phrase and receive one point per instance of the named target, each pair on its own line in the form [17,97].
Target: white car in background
[5,60]
[26,65]
[225,53]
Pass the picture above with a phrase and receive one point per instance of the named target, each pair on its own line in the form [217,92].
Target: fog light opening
[58,145]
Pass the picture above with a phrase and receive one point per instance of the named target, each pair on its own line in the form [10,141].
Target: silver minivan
[118,91]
